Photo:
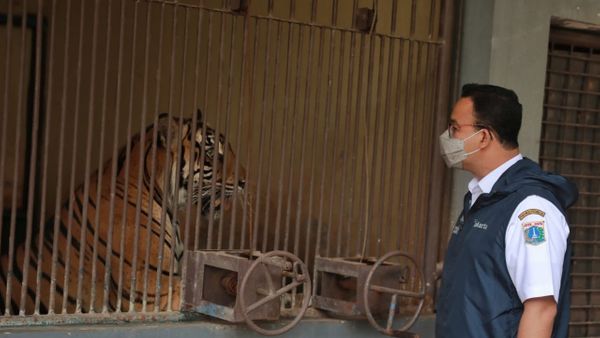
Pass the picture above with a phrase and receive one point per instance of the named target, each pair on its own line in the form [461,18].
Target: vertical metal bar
[247,215]
[107,243]
[86,190]
[413,15]
[204,123]
[61,147]
[217,135]
[246,27]
[141,170]
[13,215]
[366,176]
[127,167]
[355,148]
[312,146]
[271,131]
[7,69]
[114,170]
[34,145]
[41,225]
[293,137]
[226,156]
[192,132]
[150,226]
[346,225]
[74,158]
[303,139]
[376,147]
[261,137]
[384,157]
[325,142]
[284,131]
[203,127]
[345,228]
[172,186]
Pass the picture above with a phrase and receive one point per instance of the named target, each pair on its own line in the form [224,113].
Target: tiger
[117,269]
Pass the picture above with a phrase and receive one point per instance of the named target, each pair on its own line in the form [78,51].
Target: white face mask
[453,149]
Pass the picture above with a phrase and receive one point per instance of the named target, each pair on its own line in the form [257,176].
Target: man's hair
[498,109]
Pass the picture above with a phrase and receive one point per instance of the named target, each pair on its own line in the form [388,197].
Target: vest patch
[534,232]
[479,225]
[531,212]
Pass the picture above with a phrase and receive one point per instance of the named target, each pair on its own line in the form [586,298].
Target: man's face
[462,125]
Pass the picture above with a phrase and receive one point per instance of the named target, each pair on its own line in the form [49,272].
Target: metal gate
[323,116]
[571,146]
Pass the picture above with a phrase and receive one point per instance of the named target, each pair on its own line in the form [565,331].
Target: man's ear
[488,137]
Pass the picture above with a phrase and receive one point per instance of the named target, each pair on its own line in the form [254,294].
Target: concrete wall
[505,42]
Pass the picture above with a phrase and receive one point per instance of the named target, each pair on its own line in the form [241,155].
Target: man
[506,271]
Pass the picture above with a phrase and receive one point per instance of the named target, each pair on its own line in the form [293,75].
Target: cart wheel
[412,269]
[292,268]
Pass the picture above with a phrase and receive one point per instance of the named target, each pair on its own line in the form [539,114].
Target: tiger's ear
[167,127]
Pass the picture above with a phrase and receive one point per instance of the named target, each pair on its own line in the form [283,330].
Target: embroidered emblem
[480,225]
[531,212]
[534,232]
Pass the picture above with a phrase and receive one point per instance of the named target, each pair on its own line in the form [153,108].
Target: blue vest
[477,297]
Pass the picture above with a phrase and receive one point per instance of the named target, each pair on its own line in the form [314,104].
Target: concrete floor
[310,328]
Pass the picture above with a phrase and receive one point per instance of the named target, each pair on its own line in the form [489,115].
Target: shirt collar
[486,183]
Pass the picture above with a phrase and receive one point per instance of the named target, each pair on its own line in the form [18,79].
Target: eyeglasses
[454,127]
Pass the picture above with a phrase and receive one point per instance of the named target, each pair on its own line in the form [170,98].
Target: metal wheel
[395,292]
[291,268]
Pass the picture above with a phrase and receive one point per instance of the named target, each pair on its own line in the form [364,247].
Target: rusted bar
[331,153]
[570,125]
[261,139]
[246,28]
[115,152]
[293,137]
[190,185]
[204,124]
[572,108]
[354,148]
[247,201]
[126,168]
[384,158]
[226,157]
[367,175]
[375,148]
[13,211]
[41,224]
[569,159]
[7,68]
[346,225]
[312,146]
[88,161]
[271,132]
[213,191]
[61,147]
[284,129]
[570,56]
[336,129]
[572,73]
[167,183]
[578,143]
[203,132]
[572,91]
[143,157]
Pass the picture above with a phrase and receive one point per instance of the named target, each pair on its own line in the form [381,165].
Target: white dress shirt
[535,267]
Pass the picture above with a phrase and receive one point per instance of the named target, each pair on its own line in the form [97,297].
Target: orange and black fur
[117,268]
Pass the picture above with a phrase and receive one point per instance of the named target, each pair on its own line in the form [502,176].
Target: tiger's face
[209,164]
